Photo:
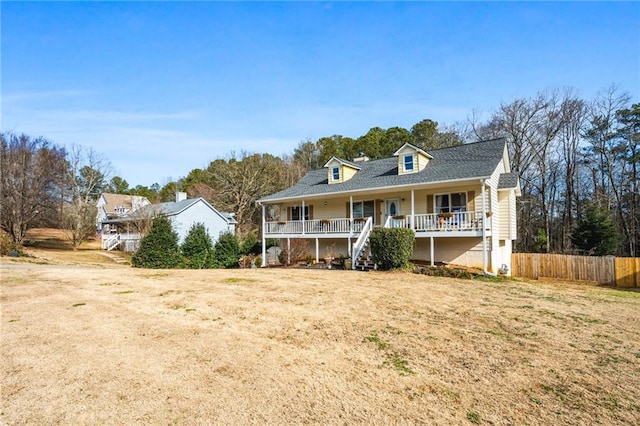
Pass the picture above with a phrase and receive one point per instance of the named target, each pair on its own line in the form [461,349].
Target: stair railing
[361,242]
[111,243]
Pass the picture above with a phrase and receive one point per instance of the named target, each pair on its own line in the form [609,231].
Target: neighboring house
[111,206]
[460,201]
[125,234]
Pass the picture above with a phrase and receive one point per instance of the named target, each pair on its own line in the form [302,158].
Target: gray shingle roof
[468,161]
[508,181]
[167,209]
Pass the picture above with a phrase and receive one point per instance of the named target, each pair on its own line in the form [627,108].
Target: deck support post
[264,238]
[317,250]
[288,251]
[431,254]
[484,228]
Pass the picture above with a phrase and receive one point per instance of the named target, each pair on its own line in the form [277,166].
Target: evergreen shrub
[392,248]
[159,248]
[197,248]
[226,251]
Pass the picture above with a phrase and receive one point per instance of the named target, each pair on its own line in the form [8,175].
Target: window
[335,172]
[363,208]
[451,203]
[408,163]
[295,213]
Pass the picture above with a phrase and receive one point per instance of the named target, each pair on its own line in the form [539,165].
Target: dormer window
[408,163]
[411,159]
[339,171]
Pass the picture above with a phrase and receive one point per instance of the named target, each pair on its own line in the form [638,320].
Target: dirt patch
[110,344]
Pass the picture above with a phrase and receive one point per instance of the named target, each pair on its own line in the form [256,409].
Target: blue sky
[161,88]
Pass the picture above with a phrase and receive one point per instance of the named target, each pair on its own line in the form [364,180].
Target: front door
[392,208]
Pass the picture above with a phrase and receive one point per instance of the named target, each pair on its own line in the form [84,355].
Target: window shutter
[348,211]
[429,203]
[471,201]
[310,212]
[289,214]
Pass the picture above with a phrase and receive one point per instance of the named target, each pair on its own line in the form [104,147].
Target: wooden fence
[618,271]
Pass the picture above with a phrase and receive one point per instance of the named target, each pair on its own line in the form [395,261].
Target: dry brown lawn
[86,341]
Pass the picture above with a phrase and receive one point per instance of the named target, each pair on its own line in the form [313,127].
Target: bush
[159,248]
[391,248]
[8,247]
[226,251]
[595,234]
[197,248]
[250,245]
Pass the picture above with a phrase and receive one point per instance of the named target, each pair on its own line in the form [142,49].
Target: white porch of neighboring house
[124,241]
[123,232]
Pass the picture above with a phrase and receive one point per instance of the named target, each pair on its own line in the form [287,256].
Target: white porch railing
[460,221]
[110,241]
[126,241]
[316,226]
[361,242]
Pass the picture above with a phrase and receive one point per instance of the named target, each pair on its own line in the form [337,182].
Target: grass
[286,346]
[374,338]
[236,280]
[401,365]
[473,417]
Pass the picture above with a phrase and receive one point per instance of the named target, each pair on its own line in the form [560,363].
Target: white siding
[513,228]
[199,212]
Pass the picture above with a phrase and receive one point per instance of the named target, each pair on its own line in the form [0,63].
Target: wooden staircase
[364,262]
[111,243]
[361,252]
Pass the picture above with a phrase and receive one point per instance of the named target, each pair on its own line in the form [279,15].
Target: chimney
[361,158]
[181,196]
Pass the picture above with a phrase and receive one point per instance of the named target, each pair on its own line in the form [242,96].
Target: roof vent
[361,158]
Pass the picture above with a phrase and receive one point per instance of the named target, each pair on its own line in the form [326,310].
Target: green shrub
[159,248]
[250,245]
[197,248]
[391,248]
[226,251]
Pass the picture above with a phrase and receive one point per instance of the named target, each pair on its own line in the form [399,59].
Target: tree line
[577,160]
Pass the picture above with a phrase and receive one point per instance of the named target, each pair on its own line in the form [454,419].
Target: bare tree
[31,172]
[86,177]
[241,181]
[607,153]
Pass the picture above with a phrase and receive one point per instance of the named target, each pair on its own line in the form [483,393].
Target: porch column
[484,228]
[431,253]
[317,250]
[350,213]
[264,238]
[303,215]
[413,205]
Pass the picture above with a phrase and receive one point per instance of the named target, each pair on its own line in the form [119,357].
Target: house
[111,206]
[460,201]
[125,232]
